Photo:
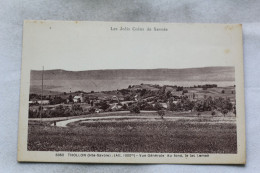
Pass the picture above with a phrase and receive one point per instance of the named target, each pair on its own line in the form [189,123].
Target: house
[115,98]
[115,106]
[99,110]
[32,102]
[127,103]
[164,105]
[77,99]
[137,97]
[121,98]
[44,102]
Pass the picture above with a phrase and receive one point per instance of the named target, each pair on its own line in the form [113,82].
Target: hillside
[194,74]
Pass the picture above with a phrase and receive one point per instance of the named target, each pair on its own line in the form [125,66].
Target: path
[66,122]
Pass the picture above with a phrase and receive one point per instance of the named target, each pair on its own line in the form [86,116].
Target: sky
[81,46]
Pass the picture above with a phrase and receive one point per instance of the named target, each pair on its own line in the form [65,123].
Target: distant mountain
[187,74]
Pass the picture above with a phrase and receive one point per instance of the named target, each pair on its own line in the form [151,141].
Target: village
[136,98]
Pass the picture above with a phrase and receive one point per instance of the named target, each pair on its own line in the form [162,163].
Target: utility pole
[41,93]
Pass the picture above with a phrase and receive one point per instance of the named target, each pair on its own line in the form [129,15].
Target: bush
[92,110]
[224,112]
[134,109]
[148,107]
[161,113]
[76,107]
[124,107]
[172,107]
[204,88]
[213,113]
[33,113]
[157,106]
[103,105]
[184,91]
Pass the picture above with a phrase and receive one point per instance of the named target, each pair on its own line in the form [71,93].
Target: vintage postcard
[119,92]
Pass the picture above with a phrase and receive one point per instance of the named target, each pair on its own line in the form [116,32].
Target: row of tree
[58,111]
[219,104]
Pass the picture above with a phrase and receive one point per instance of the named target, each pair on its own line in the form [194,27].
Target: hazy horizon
[112,79]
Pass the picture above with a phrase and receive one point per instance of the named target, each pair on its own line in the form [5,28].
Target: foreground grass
[181,136]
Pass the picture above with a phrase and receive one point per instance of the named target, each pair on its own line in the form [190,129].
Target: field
[173,134]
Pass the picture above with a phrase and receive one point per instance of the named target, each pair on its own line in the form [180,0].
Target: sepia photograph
[111,92]
[190,110]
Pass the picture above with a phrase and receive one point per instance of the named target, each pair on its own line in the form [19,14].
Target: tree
[204,88]
[179,106]
[76,107]
[124,91]
[184,91]
[168,94]
[235,111]
[142,93]
[148,107]
[188,105]
[172,106]
[223,91]
[161,113]
[103,105]
[70,98]
[127,98]
[179,88]
[157,106]
[124,107]
[92,110]
[134,109]
[224,112]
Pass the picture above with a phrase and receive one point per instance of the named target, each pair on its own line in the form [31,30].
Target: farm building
[164,105]
[116,98]
[77,99]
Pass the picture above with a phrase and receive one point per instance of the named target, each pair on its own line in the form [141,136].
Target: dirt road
[142,118]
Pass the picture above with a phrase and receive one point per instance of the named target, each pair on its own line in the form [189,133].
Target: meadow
[184,135]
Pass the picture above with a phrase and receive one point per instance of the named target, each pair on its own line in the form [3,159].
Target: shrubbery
[59,111]
[161,113]
[134,109]
[157,106]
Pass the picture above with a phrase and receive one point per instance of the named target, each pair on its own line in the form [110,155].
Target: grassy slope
[160,136]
